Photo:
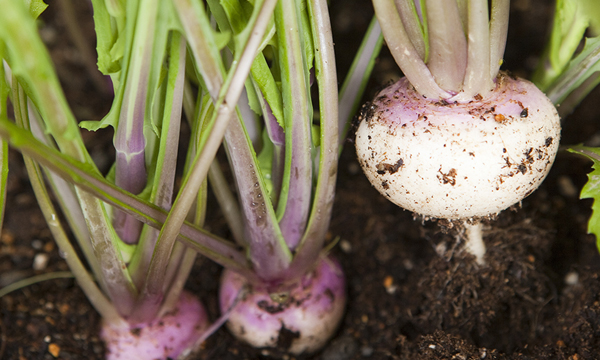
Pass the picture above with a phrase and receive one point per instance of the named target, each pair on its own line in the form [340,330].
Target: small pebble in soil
[346,246]
[40,261]
[572,278]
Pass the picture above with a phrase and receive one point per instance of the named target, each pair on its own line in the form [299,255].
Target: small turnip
[163,338]
[300,322]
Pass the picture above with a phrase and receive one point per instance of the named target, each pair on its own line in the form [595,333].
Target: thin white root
[474,242]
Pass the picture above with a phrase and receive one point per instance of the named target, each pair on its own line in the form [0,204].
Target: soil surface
[413,293]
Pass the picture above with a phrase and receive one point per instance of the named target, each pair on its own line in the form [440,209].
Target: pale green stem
[447,45]
[103,305]
[34,280]
[31,63]
[477,77]
[356,81]
[217,249]
[405,54]
[498,31]
[227,202]
[412,25]
[177,282]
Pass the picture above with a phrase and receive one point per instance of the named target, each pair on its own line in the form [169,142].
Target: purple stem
[130,171]
[295,198]
[266,248]
[167,157]
[312,241]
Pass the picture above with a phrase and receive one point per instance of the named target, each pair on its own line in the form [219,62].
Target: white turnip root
[455,139]
[458,161]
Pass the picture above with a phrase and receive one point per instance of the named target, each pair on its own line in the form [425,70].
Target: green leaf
[591,190]
[253,100]
[571,19]
[232,16]
[582,67]
[222,39]
[592,10]
[570,23]
[265,162]
[106,39]
[36,7]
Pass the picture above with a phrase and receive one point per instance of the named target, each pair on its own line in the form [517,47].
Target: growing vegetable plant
[139,288]
[455,138]
[283,157]
[568,75]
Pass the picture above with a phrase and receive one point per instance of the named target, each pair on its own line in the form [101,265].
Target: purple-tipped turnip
[301,320]
[166,337]
[458,160]
[455,139]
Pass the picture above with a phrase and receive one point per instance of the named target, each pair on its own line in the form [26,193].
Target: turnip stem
[477,77]
[295,194]
[227,96]
[404,52]
[448,45]
[227,202]
[412,25]
[474,241]
[357,78]
[498,31]
[314,236]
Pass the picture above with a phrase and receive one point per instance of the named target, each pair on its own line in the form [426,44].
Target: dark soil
[413,293]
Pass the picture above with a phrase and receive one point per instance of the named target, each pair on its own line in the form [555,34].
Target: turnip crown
[458,160]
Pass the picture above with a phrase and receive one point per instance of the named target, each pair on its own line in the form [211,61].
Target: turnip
[279,275]
[455,138]
[285,181]
[134,278]
[285,185]
[302,321]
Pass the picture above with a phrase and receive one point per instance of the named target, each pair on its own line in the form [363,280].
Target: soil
[413,293]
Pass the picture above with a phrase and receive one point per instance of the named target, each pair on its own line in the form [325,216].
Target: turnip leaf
[571,19]
[591,190]
[36,7]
